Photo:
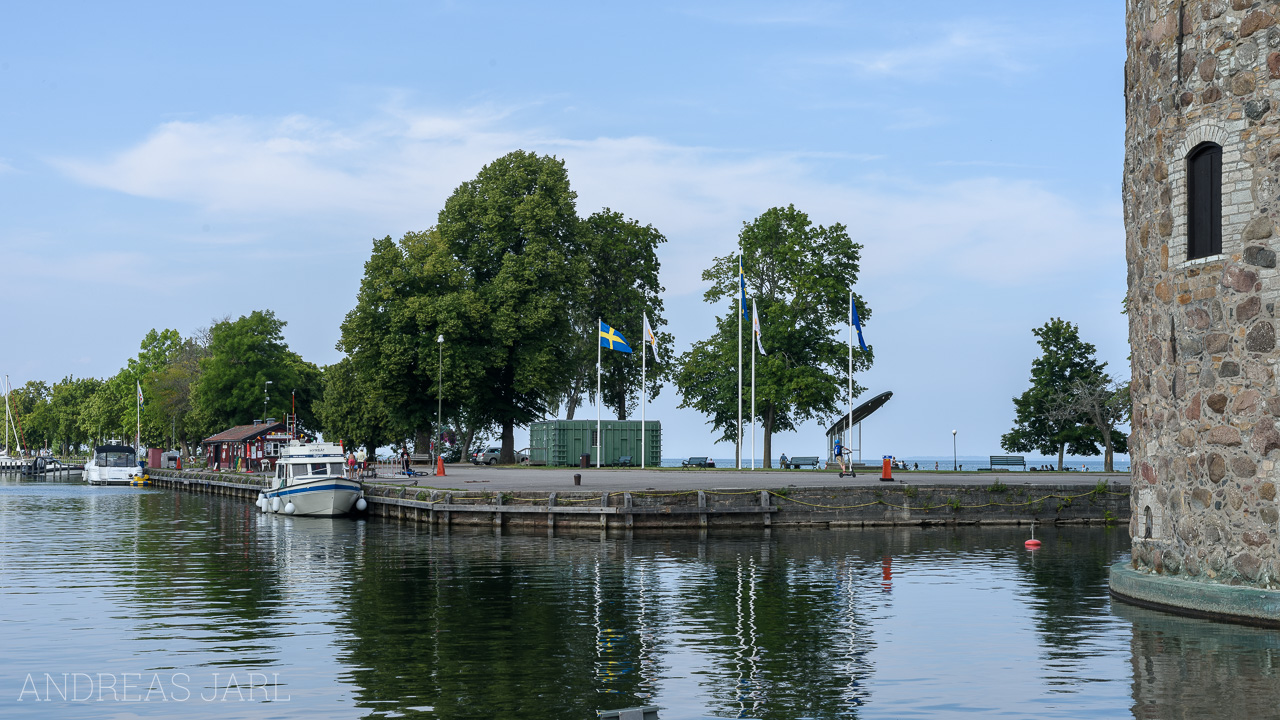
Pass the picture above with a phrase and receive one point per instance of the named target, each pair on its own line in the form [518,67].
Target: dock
[657,499]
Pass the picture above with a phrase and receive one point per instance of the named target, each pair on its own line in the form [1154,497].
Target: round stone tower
[1201,201]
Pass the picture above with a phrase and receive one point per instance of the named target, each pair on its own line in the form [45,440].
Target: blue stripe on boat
[290,491]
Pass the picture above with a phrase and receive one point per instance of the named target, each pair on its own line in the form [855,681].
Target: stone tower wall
[1203,332]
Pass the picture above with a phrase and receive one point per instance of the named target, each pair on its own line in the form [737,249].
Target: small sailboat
[310,479]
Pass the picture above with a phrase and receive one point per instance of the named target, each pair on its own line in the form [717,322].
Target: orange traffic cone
[439,466]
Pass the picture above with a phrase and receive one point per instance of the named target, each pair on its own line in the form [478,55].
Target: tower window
[1204,201]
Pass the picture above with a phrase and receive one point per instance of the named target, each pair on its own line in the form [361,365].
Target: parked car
[489,456]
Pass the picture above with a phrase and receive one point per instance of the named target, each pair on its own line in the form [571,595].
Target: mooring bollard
[577,478]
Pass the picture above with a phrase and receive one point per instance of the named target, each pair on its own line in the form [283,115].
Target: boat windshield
[300,469]
[115,459]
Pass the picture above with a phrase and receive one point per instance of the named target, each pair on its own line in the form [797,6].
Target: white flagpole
[644,393]
[753,386]
[599,397]
[137,437]
[740,311]
[850,420]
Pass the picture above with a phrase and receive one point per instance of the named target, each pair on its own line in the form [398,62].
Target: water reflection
[1189,668]
[381,619]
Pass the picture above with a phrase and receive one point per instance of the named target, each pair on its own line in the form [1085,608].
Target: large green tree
[510,253]
[800,276]
[621,270]
[350,411]
[243,355]
[1065,365]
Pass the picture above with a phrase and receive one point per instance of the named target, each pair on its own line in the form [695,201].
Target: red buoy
[1032,543]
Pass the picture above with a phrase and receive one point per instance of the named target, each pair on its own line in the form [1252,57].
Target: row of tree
[192,387]
[492,313]
[489,319]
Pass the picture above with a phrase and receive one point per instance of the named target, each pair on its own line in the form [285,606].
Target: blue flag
[857,323]
[742,283]
[612,339]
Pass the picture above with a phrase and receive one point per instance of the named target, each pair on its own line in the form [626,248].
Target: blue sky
[162,165]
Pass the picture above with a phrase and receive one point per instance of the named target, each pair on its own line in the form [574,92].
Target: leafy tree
[1105,404]
[1040,425]
[350,411]
[243,355]
[390,336]
[800,275]
[168,391]
[509,253]
[621,259]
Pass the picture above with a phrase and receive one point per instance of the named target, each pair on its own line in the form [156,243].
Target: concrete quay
[654,499]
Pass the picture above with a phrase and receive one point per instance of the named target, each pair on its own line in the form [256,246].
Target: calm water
[211,610]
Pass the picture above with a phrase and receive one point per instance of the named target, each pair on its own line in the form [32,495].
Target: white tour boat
[311,479]
[111,465]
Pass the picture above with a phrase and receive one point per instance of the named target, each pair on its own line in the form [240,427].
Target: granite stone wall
[1203,332]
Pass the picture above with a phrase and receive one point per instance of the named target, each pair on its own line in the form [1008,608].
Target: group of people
[356,463]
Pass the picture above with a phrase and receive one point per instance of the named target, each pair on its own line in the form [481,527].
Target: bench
[420,459]
[624,461]
[697,462]
[1008,461]
[799,462]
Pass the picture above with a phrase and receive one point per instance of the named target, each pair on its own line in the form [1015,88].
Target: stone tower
[1201,205]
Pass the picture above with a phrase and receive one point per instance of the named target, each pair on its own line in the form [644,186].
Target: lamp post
[955,459]
[439,391]
[261,461]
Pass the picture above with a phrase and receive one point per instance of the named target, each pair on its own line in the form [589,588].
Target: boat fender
[275,504]
[361,504]
[288,509]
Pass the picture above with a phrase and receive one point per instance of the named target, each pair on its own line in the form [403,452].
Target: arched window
[1204,201]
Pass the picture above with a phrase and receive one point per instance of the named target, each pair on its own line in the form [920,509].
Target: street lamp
[439,392]
[955,459]
[264,401]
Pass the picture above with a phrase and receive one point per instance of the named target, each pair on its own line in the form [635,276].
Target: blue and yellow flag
[742,283]
[612,339]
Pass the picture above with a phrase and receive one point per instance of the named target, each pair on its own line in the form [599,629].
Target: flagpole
[137,437]
[753,387]
[850,420]
[644,391]
[599,397]
[741,310]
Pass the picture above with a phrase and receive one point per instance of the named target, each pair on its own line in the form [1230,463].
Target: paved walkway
[478,477]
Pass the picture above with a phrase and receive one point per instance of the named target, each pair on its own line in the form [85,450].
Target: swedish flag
[612,339]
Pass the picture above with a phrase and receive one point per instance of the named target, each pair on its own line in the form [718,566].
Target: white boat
[310,479]
[111,465]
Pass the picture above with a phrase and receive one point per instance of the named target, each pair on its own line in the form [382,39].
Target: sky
[166,164]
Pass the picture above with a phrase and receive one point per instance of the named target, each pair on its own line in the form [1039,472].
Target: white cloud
[395,170]
[982,46]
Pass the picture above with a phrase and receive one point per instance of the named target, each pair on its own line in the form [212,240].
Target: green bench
[799,462]
[1008,461]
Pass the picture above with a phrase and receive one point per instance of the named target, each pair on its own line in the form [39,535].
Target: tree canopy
[800,275]
[1047,419]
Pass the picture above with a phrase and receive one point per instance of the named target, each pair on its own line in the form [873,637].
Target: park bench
[420,459]
[697,462]
[799,462]
[1008,461]
[624,461]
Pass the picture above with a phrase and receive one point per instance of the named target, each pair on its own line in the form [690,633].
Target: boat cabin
[114,456]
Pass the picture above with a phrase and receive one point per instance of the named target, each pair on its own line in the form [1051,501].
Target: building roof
[241,433]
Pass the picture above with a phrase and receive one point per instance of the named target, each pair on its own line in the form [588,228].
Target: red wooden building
[246,448]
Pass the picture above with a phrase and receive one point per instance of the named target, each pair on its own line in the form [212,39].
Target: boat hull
[109,475]
[322,497]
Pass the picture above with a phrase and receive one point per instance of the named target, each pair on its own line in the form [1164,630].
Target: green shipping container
[561,442]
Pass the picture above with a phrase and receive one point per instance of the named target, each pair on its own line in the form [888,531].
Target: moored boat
[111,465]
[310,480]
